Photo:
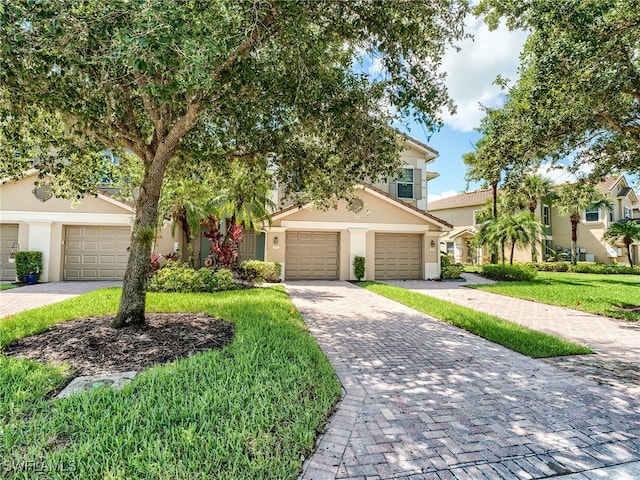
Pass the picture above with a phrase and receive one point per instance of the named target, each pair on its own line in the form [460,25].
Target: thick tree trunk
[134,288]
[574,241]
[534,246]
[494,212]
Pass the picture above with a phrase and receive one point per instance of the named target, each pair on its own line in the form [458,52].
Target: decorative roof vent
[43,192]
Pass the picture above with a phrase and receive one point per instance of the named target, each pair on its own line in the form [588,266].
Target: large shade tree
[218,81]
[578,93]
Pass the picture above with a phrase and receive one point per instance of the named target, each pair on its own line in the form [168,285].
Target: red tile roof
[477,197]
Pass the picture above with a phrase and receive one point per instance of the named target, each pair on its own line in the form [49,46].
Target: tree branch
[629,131]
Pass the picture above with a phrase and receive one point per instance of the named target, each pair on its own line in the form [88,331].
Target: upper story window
[592,214]
[476,217]
[546,215]
[405,183]
[627,212]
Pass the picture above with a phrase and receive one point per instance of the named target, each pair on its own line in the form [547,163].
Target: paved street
[425,400]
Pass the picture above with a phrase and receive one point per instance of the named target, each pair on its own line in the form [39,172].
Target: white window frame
[403,181]
[627,212]
[591,210]
[546,212]
[475,216]
[453,248]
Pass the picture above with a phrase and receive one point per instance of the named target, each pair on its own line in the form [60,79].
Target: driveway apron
[425,400]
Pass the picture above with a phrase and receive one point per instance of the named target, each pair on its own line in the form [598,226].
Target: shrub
[28,262]
[256,271]
[359,267]
[602,268]
[550,266]
[179,277]
[159,260]
[445,260]
[509,272]
[451,271]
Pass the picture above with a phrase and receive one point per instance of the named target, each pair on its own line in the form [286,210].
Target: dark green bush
[509,272]
[359,267]
[445,260]
[602,268]
[256,271]
[451,271]
[28,262]
[550,266]
[180,277]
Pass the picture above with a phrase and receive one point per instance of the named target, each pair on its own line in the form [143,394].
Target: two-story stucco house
[389,226]
[461,211]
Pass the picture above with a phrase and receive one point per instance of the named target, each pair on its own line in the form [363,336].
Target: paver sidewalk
[425,400]
[31,296]
[616,342]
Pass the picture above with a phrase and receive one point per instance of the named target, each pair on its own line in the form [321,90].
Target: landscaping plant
[28,263]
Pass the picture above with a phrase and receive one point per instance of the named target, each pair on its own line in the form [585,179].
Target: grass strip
[508,334]
[7,286]
[616,296]
[250,410]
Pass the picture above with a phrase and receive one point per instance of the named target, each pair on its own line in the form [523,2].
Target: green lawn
[7,286]
[250,410]
[600,294]
[511,335]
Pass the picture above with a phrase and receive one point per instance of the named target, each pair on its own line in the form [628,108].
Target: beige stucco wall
[41,225]
[19,196]
[357,232]
[458,217]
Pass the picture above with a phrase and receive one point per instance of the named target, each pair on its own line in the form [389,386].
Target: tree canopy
[215,81]
[578,94]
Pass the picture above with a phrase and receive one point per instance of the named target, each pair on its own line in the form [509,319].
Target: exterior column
[357,246]
[40,240]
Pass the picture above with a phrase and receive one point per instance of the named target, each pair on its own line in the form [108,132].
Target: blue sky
[470,76]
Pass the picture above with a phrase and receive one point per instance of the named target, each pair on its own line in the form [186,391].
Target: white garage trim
[384,227]
[68,217]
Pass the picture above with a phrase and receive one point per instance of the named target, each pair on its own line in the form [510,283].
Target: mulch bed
[92,347]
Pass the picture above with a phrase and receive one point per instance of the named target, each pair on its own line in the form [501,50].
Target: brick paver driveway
[426,400]
[32,296]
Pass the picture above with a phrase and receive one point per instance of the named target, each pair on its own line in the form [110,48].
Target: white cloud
[432,197]
[559,174]
[472,70]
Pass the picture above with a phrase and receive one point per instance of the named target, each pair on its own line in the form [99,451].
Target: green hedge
[451,272]
[28,262]
[180,277]
[256,271]
[583,267]
[515,273]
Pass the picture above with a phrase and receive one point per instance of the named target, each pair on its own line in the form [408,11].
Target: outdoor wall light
[433,243]
[275,240]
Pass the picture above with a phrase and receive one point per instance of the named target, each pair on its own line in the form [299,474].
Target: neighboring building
[389,226]
[461,211]
[87,241]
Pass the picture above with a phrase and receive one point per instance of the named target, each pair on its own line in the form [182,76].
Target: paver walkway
[616,342]
[425,400]
[31,296]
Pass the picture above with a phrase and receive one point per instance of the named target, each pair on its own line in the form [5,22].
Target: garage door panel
[398,256]
[8,236]
[96,253]
[312,256]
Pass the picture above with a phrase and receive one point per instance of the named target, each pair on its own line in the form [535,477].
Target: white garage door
[95,252]
[312,256]
[8,236]
[398,256]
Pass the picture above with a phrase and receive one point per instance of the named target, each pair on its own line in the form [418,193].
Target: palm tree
[515,230]
[533,190]
[573,198]
[628,232]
